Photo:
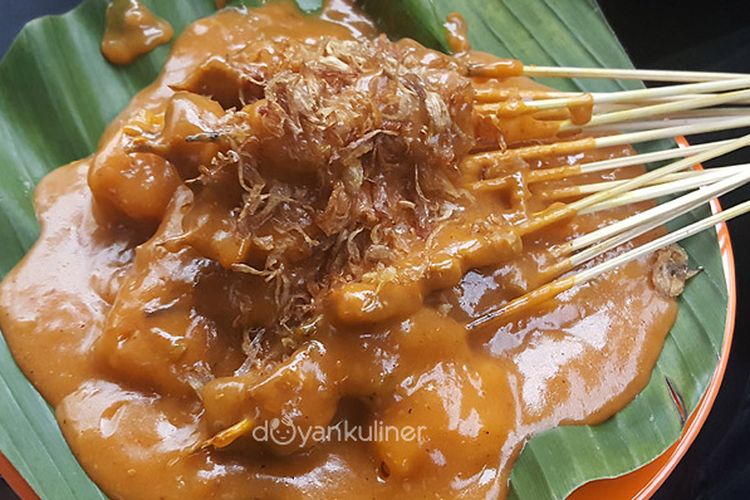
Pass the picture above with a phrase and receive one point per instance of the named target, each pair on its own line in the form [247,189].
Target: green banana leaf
[57,94]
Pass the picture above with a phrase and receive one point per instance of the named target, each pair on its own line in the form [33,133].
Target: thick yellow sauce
[131,31]
[108,320]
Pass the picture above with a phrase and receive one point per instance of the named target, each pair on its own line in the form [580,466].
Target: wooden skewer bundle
[698,104]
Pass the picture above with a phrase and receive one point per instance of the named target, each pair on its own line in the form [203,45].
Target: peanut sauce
[130,314]
[131,31]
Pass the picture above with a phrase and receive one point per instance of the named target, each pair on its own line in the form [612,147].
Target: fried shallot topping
[670,271]
[342,157]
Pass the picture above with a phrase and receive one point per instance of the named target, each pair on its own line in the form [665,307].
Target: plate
[642,482]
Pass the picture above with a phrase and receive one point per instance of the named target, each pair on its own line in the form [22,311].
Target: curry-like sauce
[163,343]
[131,31]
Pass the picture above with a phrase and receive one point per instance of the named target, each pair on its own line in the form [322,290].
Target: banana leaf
[57,94]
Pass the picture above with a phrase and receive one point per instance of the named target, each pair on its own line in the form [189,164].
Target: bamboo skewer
[682,112]
[670,132]
[619,233]
[657,110]
[566,283]
[676,206]
[672,183]
[556,213]
[656,100]
[553,173]
[660,123]
[642,94]
[615,241]
[648,193]
[628,74]
[645,158]
[590,143]
[489,94]
[642,115]
[722,112]
[645,194]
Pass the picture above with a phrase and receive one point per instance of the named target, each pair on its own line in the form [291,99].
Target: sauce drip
[131,31]
[501,68]
[457,33]
[580,113]
[131,316]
